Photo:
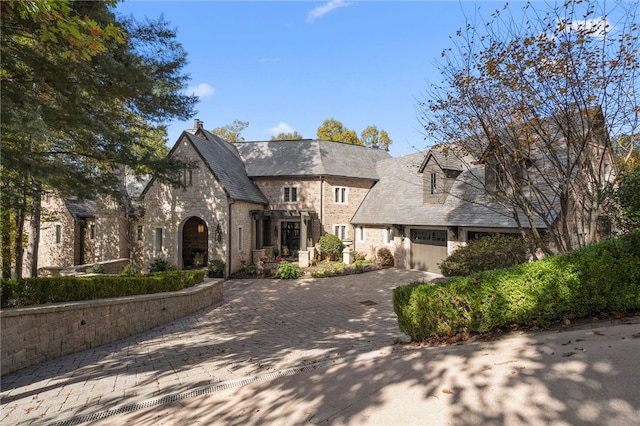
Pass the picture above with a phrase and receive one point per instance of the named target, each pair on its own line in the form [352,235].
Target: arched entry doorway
[195,237]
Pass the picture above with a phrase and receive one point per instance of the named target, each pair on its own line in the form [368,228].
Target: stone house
[442,198]
[77,233]
[246,200]
[67,232]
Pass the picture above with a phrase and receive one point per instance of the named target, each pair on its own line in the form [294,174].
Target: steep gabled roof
[397,198]
[219,156]
[446,157]
[309,157]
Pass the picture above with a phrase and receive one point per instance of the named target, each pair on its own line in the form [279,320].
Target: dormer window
[433,185]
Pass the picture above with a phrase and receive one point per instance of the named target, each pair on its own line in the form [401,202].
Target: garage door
[428,249]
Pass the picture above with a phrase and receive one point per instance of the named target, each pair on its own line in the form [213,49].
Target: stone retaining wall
[35,334]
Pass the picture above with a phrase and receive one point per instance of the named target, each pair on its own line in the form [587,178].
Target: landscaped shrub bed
[36,291]
[604,277]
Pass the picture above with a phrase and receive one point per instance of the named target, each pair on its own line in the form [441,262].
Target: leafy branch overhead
[83,91]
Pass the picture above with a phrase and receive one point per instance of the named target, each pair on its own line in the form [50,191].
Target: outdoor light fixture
[218,233]
[200,228]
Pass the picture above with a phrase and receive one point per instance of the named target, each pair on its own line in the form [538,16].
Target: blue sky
[289,65]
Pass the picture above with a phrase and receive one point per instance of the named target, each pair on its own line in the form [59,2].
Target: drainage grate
[197,392]
[368,303]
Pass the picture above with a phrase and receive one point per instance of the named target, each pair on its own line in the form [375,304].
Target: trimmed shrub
[161,265]
[36,291]
[484,254]
[384,257]
[331,246]
[287,270]
[130,270]
[604,277]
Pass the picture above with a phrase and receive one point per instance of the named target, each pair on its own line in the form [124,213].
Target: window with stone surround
[158,239]
[58,229]
[290,194]
[340,194]
[387,236]
[92,231]
[240,238]
[360,234]
[340,231]
[433,182]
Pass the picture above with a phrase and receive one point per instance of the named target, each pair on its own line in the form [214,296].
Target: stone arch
[195,242]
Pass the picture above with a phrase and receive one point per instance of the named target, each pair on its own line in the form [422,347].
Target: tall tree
[294,136]
[373,138]
[333,130]
[82,91]
[550,85]
[232,132]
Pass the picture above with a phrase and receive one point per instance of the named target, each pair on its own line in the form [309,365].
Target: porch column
[304,220]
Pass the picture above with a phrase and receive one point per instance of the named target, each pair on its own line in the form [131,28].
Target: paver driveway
[261,326]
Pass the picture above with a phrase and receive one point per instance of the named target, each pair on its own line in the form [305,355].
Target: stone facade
[64,241]
[167,209]
[227,223]
[112,231]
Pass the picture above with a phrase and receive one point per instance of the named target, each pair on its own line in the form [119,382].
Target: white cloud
[598,27]
[202,90]
[280,128]
[320,11]
[269,60]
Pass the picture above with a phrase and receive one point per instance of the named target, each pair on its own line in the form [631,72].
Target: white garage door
[428,249]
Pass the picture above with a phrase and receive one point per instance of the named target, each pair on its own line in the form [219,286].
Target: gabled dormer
[440,169]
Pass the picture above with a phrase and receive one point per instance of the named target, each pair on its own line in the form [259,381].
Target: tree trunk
[34,231]
[20,215]
[6,242]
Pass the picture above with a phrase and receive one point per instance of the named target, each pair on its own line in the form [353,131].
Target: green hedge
[604,277]
[36,291]
[484,254]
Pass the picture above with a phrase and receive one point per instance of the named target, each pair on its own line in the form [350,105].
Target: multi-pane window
[340,231]
[290,194]
[433,183]
[340,195]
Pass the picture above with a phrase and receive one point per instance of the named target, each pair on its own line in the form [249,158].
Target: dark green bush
[331,246]
[287,270]
[604,277]
[35,291]
[161,265]
[384,257]
[486,253]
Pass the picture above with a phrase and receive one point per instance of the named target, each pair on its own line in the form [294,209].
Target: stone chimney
[198,124]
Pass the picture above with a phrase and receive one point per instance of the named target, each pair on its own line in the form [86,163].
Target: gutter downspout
[231,202]
[321,205]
